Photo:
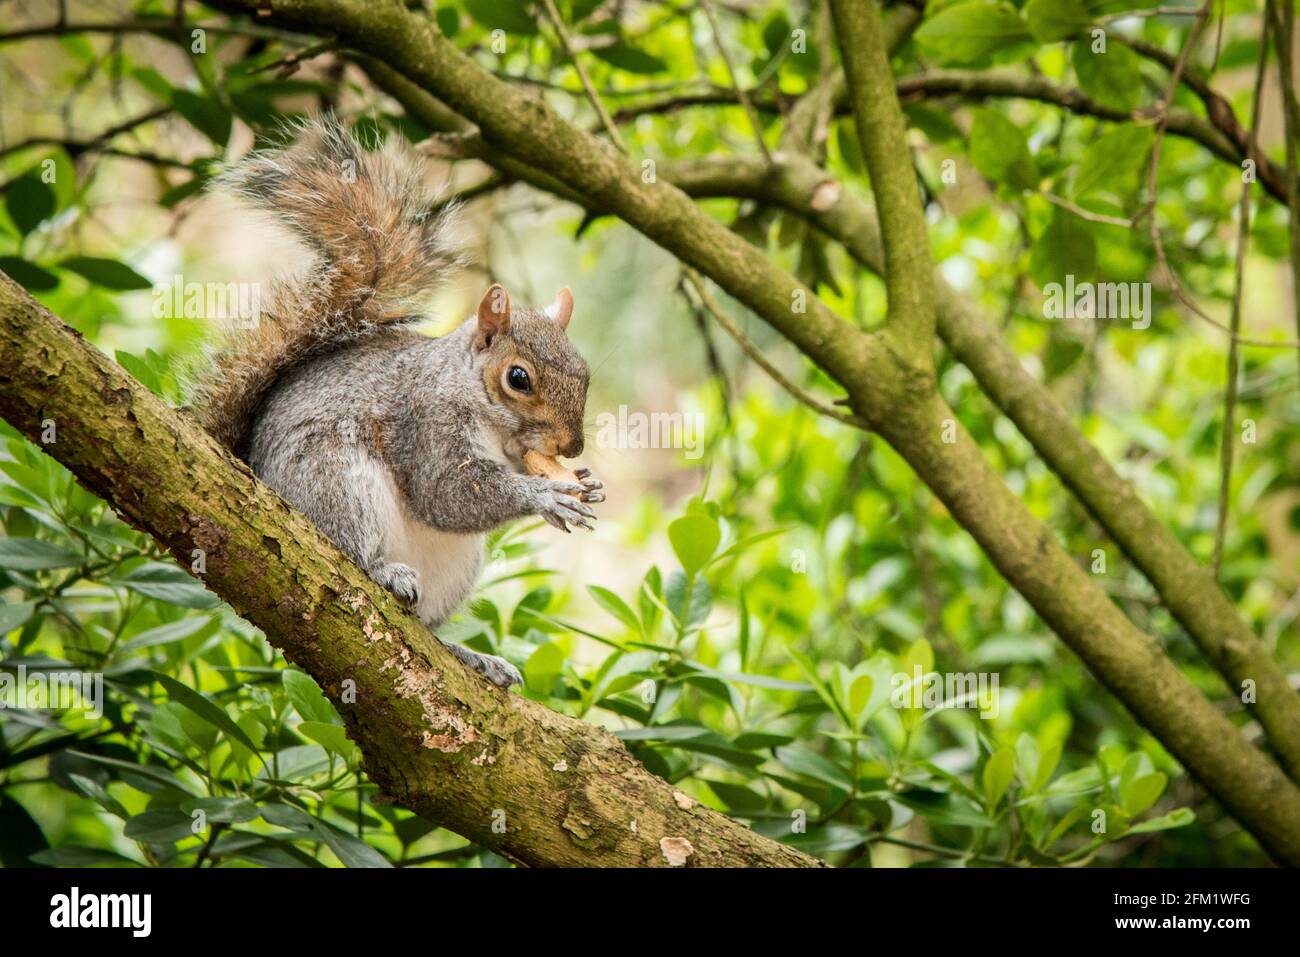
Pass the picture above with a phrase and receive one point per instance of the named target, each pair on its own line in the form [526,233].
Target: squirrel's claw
[575,505]
[563,504]
[591,486]
[496,670]
[399,579]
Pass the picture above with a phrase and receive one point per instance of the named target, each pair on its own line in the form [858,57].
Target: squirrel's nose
[572,448]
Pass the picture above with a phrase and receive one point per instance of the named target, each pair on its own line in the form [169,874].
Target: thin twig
[1089,215]
[1227,444]
[1152,12]
[81,146]
[1283,24]
[288,65]
[754,353]
[562,32]
[158,25]
[741,95]
[1175,285]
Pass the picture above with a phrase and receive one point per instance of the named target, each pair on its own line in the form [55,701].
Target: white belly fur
[447,563]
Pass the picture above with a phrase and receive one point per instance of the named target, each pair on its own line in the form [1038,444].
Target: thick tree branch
[1185,586]
[1221,133]
[802,188]
[436,737]
[882,134]
[1129,663]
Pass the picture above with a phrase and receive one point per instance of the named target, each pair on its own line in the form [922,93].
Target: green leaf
[221,810]
[810,764]
[205,114]
[28,275]
[969,33]
[448,20]
[29,201]
[1114,160]
[1112,78]
[153,81]
[512,16]
[737,797]
[329,736]
[616,606]
[170,584]
[74,855]
[543,667]
[948,809]
[140,371]
[1077,782]
[1176,818]
[307,698]
[160,827]
[1000,151]
[173,631]
[701,599]
[664,732]
[108,273]
[1052,20]
[348,849]
[181,191]
[204,708]
[998,773]
[1142,792]
[20,836]
[33,554]
[1066,247]
[630,58]
[694,538]
[97,793]
[1047,762]
[15,615]
[149,778]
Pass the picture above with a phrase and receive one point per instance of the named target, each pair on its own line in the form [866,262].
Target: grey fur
[405,450]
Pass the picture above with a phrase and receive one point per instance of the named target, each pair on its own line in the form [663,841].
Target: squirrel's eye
[518,379]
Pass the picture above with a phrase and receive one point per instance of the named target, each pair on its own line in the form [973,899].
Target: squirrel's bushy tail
[380,252]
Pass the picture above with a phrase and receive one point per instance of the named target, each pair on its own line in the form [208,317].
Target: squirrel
[405,450]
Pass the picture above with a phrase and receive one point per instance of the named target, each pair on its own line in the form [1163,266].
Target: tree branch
[1221,133]
[756,355]
[800,187]
[1128,662]
[882,135]
[1184,585]
[1283,30]
[1228,436]
[437,738]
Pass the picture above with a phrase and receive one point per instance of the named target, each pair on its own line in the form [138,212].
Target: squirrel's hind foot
[399,579]
[496,670]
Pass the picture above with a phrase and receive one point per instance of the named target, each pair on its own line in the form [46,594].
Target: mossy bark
[536,786]
[894,396]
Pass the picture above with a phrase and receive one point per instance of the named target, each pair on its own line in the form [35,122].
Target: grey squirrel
[404,450]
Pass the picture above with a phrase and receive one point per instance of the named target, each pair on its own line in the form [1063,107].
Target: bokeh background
[735,617]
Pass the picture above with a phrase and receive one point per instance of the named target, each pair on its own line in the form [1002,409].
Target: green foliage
[759,643]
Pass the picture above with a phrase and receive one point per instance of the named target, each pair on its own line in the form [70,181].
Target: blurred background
[737,615]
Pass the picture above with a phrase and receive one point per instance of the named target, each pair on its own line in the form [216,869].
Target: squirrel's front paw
[496,670]
[561,504]
[399,579]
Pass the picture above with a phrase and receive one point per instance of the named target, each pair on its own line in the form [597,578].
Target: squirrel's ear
[561,309]
[493,315]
